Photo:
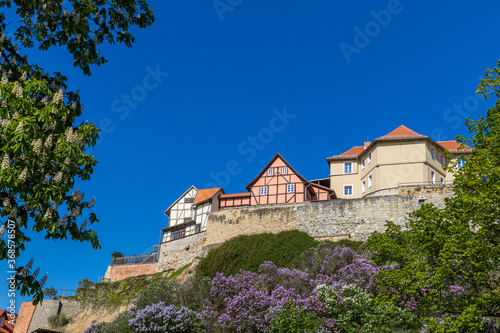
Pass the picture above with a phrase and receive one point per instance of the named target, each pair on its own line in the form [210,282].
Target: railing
[132,260]
[66,292]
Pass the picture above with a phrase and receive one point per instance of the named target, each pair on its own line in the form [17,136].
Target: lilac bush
[165,318]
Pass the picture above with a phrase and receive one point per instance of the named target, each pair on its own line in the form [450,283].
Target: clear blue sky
[228,71]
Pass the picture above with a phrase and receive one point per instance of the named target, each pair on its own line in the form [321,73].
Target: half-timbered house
[277,183]
[188,214]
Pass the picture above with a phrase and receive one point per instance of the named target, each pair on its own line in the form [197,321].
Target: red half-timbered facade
[277,183]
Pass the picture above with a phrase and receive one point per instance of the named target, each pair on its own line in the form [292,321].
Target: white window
[443,160]
[347,189]
[461,163]
[370,181]
[284,170]
[348,167]
[263,190]
[369,158]
[290,188]
[433,153]
[441,180]
[433,177]
[363,164]
[270,171]
[363,186]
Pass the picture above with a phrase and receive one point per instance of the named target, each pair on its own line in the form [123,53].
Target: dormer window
[284,170]
[270,172]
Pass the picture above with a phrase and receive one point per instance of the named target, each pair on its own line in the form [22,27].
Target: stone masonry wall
[42,313]
[332,219]
[120,272]
[24,318]
[179,252]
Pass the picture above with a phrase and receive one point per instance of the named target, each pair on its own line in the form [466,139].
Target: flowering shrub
[339,266]
[296,318]
[96,328]
[165,318]
[355,311]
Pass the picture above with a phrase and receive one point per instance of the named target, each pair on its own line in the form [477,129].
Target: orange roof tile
[351,153]
[235,195]
[453,146]
[402,132]
[205,194]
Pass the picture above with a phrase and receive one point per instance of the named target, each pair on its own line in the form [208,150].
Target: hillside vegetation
[248,252]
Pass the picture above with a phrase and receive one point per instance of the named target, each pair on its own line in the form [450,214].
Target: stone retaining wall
[333,219]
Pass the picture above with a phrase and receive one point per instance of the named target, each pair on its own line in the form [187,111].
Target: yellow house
[401,157]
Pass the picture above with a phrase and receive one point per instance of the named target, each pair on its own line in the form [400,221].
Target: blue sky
[231,81]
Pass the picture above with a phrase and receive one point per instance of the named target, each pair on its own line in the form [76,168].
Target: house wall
[333,219]
[120,272]
[277,186]
[24,318]
[234,202]
[180,211]
[201,213]
[393,164]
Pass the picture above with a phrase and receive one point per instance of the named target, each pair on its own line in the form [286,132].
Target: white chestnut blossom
[6,161]
[24,175]
[58,177]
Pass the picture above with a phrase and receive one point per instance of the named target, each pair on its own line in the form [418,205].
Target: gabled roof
[402,132]
[351,153]
[176,201]
[206,194]
[278,155]
[235,195]
[454,146]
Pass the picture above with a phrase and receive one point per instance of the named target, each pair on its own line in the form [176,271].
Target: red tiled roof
[205,194]
[351,153]
[235,195]
[7,328]
[454,146]
[402,132]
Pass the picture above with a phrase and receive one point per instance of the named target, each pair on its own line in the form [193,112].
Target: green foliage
[42,151]
[249,252]
[456,248]
[116,254]
[192,293]
[113,294]
[354,311]
[58,321]
[86,283]
[295,319]
[178,272]
[50,292]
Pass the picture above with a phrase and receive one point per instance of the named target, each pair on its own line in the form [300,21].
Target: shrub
[338,266]
[165,318]
[249,252]
[355,311]
[160,291]
[59,320]
[293,318]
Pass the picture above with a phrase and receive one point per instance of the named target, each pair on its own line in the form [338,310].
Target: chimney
[367,143]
